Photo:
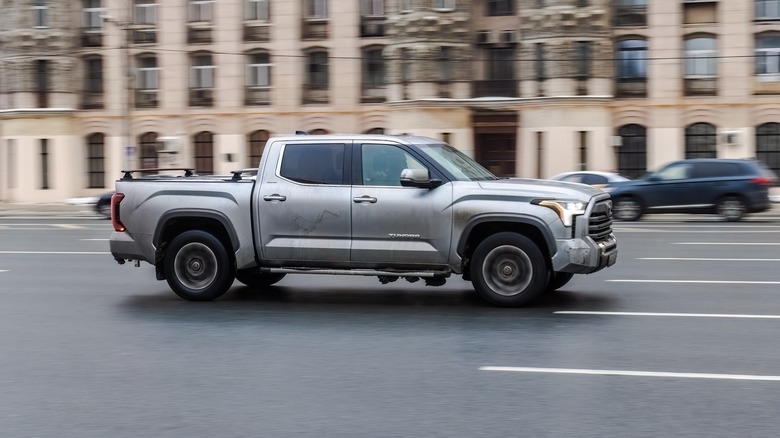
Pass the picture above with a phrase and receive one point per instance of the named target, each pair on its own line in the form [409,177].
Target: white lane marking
[632,373]
[67,226]
[56,252]
[697,226]
[650,230]
[704,259]
[95,240]
[3,270]
[696,281]
[726,243]
[685,315]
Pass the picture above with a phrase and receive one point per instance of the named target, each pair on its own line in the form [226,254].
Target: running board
[367,272]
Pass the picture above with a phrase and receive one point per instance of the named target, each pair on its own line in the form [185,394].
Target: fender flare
[535,222]
[207,214]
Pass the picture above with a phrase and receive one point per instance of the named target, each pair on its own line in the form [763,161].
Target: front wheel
[197,266]
[509,270]
[258,280]
[731,208]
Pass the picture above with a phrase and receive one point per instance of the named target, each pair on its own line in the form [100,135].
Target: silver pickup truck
[387,206]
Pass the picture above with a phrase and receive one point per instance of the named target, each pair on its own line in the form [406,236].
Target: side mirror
[420,178]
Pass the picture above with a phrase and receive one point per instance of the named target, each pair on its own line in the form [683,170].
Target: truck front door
[391,224]
[303,203]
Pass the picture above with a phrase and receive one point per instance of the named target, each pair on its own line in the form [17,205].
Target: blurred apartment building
[527,87]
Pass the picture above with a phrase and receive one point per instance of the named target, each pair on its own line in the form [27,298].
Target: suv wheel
[731,208]
[627,209]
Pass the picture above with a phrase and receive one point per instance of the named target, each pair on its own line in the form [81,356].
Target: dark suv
[727,187]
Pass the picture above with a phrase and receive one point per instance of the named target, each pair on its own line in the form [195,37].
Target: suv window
[717,170]
[313,163]
[674,171]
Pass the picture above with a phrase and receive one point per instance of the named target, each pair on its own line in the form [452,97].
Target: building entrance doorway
[495,142]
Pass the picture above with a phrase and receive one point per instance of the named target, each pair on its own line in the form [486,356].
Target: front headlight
[566,210]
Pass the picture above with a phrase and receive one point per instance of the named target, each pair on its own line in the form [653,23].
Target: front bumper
[585,255]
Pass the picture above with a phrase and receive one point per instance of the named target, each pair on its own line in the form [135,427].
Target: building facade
[528,87]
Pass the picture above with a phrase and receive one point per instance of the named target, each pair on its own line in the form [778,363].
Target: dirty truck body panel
[394,207]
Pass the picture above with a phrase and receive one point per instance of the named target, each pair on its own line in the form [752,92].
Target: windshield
[460,165]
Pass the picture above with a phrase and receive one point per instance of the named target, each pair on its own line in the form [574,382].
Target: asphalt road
[94,349]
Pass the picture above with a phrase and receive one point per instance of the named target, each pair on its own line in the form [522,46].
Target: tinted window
[313,163]
[674,171]
[717,170]
[383,164]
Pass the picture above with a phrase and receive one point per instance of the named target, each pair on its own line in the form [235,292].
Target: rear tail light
[764,181]
[115,200]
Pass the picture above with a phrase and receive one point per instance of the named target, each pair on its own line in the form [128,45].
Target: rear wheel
[627,209]
[509,270]
[197,266]
[258,280]
[731,208]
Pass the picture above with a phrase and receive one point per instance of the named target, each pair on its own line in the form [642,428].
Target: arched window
[96,173]
[701,141]
[319,131]
[149,144]
[204,153]
[632,153]
[257,141]
[768,145]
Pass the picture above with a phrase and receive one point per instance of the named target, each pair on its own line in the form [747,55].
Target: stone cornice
[502,102]
[23,113]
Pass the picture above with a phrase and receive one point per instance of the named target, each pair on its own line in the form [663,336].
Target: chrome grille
[600,221]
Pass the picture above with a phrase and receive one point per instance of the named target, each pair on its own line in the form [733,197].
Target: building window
[145,12]
[12,165]
[701,141]
[258,80]
[204,153]
[202,80]
[93,83]
[372,8]
[148,82]
[700,61]
[497,8]
[406,6]
[257,142]
[500,74]
[373,70]
[767,9]
[93,15]
[631,68]
[406,66]
[768,54]
[632,152]
[317,9]
[317,70]
[445,63]
[444,4]
[149,146]
[42,83]
[257,10]
[96,160]
[44,163]
[768,145]
[583,56]
[631,13]
[40,10]
[201,10]
[583,140]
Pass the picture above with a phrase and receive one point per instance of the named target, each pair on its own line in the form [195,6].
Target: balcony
[314,29]
[373,94]
[92,100]
[145,36]
[257,96]
[201,97]
[198,34]
[701,86]
[767,83]
[631,87]
[495,88]
[146,99]
[260,33]
[314,94]
[91,38]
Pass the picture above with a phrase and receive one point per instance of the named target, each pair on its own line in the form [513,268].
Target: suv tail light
[764,181]
[115,200]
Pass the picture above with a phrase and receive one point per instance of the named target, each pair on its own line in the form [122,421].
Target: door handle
[364,198]
[275,197]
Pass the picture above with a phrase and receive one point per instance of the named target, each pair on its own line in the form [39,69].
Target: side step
[367,272]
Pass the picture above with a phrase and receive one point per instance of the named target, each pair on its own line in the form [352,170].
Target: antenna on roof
[301,133]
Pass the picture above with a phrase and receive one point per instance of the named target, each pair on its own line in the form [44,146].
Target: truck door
[303,203]
[391,224]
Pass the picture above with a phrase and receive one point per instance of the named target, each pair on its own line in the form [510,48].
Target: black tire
[509,270]
[731,208]
[627,208]
[257,280]
[559,280]
[198,267]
